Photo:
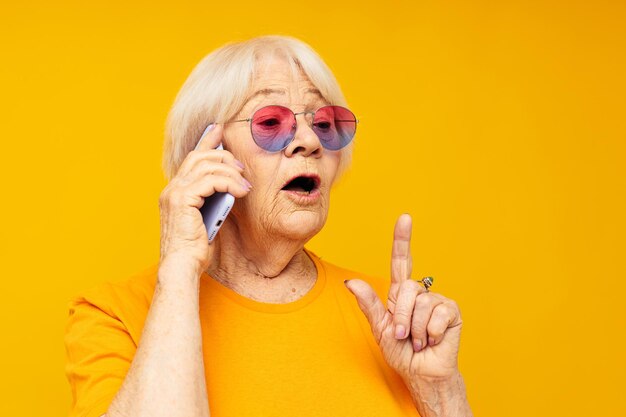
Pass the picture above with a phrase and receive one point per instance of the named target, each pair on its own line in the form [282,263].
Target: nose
[306,141]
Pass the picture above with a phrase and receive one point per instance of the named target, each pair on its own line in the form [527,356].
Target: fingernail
[399,331]
[239,163]
[431,341]
[417,345]
[247,184]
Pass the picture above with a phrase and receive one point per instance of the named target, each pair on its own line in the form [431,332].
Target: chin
[302,224]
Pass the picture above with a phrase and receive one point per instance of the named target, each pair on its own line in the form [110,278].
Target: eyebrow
[270,91]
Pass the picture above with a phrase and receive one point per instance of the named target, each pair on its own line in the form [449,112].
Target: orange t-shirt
[312,357]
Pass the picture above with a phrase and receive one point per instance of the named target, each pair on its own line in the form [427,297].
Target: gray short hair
[218,86]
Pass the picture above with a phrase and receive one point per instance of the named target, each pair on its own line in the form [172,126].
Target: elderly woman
[252,323]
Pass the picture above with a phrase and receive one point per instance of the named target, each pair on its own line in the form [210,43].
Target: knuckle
[192,156]
[437,326]
[223,155]
[405,301]
[454,306]
[451,311]
[175,196]
[423,301]
[411,285]
[370,298]
[401,315]
[233,173]
[233,182]
[227,154]
[212,167]
[442,310]
[219,182]
[435,332]
[206,166]
[428,296]
[418,326]
[166,196]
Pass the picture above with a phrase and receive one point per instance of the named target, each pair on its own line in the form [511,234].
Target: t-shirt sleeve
[99,353]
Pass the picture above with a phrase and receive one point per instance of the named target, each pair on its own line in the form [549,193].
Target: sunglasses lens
[273,127]
[335,126]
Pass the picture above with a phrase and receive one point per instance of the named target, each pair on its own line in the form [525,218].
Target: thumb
[369,303]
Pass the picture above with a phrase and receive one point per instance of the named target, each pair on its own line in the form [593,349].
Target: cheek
[257,167]
[237,140]
[331,167]
[263,174]
[262,171]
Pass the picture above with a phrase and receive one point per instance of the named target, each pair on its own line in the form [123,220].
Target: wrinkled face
[291,188]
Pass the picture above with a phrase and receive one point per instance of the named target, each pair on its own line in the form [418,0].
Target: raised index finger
[211,137]
[401,262]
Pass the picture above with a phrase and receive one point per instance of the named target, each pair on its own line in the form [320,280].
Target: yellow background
[499,125]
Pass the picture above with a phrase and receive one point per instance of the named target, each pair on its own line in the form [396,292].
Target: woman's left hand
[419,331]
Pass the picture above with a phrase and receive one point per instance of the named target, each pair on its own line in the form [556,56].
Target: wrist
[440,396]
[179,270]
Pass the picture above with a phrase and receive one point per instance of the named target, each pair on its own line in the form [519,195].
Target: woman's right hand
[203,172]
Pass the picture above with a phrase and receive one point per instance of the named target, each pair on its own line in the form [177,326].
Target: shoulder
[126,301]
[337,273]
[101,337]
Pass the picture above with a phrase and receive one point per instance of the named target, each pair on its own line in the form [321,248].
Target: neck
[272,269]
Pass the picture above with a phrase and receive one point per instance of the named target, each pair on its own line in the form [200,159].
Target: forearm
[440,398]
[166,377]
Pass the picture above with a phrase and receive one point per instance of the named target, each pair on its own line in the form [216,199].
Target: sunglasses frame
[312,113]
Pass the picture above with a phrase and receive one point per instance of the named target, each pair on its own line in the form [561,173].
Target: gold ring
[427,282]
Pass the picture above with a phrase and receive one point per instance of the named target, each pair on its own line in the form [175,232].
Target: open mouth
[303,184]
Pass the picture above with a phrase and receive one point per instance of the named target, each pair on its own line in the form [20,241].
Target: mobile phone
[217,206]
